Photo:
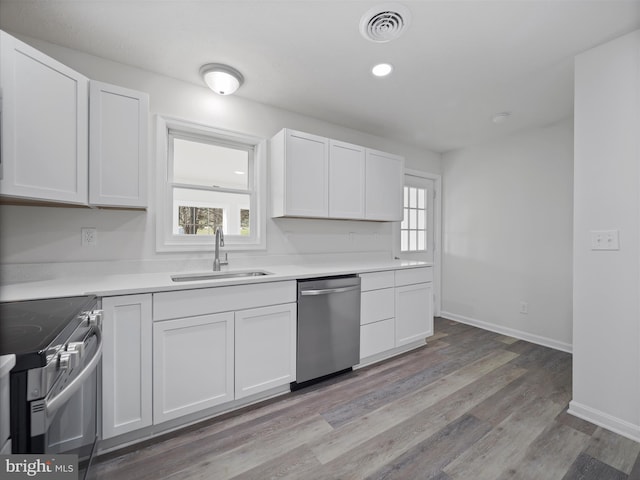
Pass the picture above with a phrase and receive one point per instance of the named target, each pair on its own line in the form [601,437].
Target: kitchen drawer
[410,276]
[377,337]
[377,305]
[376,280]
[204,301]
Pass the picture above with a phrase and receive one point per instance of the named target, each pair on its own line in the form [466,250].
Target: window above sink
[209,178]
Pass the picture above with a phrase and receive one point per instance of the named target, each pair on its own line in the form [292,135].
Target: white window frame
[411,228]
[166,241]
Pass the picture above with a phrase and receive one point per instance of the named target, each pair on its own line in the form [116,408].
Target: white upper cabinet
[53,149]
[384,184]
[118,146]
[313,176]
[346,180]
[300,172]
[44,126]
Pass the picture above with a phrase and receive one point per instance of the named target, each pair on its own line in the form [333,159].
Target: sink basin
[193,277]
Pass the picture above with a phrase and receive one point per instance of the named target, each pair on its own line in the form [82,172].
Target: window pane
[421,240]
[421,219]
[413,197]
[198,163]
[421,197]
[244,222]
[197,212]
[412,240]
[404,240]
[198,221]
[405,219]
[413,218]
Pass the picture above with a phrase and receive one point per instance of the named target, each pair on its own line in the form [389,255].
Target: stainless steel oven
[54,384]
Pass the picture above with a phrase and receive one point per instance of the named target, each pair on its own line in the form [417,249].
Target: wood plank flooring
[471,404]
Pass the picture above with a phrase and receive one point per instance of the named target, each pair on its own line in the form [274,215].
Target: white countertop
[132,283]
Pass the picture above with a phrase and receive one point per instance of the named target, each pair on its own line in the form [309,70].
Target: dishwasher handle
[327,291]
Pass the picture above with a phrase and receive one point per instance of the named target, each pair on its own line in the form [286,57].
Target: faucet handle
[219,230]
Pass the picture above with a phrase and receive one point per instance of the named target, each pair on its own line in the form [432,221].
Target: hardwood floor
[471,404]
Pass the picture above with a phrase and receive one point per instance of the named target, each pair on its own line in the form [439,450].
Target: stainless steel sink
[193,277]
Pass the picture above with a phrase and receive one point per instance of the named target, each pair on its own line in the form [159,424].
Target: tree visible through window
[199,221]
[244,222]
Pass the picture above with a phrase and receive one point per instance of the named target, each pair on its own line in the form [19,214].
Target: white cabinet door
[346,180]
[383,186]
[126,364]
[377,337]
[118,138]
[192,365]
[300,174]
[265,348]
[377,305]
[414,313]
[44,126]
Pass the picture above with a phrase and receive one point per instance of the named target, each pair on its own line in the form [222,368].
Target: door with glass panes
[417,238]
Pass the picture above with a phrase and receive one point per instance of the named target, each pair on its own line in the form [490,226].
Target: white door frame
[437,235]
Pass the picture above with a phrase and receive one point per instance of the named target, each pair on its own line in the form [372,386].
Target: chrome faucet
[219,243]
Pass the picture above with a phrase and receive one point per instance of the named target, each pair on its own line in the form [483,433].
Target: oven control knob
[67,360]
[76,347]
[95,318]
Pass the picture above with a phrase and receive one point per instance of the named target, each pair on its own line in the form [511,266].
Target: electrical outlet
[524,308]
[89,236]
[605,240]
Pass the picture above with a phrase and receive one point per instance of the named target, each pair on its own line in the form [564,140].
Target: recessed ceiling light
[238,172]
[501,117]
[382,69]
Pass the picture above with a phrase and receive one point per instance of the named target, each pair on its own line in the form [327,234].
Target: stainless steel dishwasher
[328,327]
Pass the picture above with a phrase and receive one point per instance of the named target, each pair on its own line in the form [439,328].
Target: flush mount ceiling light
[222,79]
[501,117]
[385,22]
[382,69]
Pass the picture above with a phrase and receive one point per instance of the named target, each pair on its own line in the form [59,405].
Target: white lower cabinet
[377,337]
[377,313]
[396,310]
[192,365]
[126,364]
[214,345]
[265,348]
[414,313]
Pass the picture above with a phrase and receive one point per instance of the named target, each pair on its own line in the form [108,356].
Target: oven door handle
[52,405]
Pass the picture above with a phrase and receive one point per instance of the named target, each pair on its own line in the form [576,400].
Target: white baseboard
[365,362]
[511,332]
[604,420]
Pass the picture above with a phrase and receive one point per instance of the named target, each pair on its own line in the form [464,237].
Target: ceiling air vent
[385,22]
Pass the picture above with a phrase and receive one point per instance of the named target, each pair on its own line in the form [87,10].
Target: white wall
[44,234]
[507,215]
[606,292]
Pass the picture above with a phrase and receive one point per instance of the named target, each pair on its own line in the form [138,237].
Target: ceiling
[457,64]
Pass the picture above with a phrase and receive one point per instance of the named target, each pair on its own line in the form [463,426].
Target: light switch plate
[605,240]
